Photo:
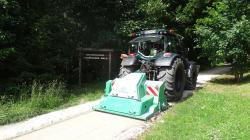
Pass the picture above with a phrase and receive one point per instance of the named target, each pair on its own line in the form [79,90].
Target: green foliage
[182,16]
[15,93]
[43,98]
[10,20]
[143,15]
[5,53]
[47,96]
[34,100]
[223,35]
[39,38]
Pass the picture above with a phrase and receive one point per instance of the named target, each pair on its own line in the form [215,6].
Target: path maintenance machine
[154,71]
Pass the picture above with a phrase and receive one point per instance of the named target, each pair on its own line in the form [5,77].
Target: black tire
[125,70]
[175,79]
[191,81]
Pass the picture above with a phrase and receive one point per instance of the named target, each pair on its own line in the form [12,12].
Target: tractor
[161,55]
[153,72]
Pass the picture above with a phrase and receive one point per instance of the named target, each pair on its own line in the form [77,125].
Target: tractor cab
[148,45]
[152,44]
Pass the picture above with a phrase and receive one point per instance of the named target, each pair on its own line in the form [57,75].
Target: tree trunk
[236,77]
[241,76]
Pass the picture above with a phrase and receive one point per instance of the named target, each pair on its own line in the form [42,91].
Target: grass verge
[220,110]
[43,98]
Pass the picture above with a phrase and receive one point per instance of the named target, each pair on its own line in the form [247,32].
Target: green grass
[78,95]
[221,110]
[44,98]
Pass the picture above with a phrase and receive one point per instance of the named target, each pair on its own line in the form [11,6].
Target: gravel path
[79,122]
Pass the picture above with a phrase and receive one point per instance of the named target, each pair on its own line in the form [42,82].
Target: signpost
[94,54]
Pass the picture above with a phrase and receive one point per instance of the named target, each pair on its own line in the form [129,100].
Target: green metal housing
[135,103]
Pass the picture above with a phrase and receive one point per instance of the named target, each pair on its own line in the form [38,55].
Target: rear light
[132,54]
[171,31]
[167,54]
[133,35]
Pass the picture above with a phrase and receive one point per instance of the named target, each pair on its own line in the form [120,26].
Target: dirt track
[96,125]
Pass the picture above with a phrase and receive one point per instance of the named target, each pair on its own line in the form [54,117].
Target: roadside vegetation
[43,98]
[220,110]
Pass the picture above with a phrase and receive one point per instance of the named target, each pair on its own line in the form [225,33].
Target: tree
[141,14]
[224,34]
[38,38]
[10,20]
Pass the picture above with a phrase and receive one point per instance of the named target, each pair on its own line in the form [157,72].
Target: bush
[31,101]
[15,93]
[39,98]
[47,95]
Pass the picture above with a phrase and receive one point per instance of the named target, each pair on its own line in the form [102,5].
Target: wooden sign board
[94,54]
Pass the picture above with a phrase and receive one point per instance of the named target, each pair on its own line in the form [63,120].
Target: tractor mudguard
[166,60]
[129,61]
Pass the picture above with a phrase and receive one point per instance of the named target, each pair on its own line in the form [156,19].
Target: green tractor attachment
[133,96]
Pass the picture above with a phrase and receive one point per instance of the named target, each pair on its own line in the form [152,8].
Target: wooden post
[110,60]
[80,68]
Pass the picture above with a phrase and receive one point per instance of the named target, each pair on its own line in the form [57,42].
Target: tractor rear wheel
[174,78]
